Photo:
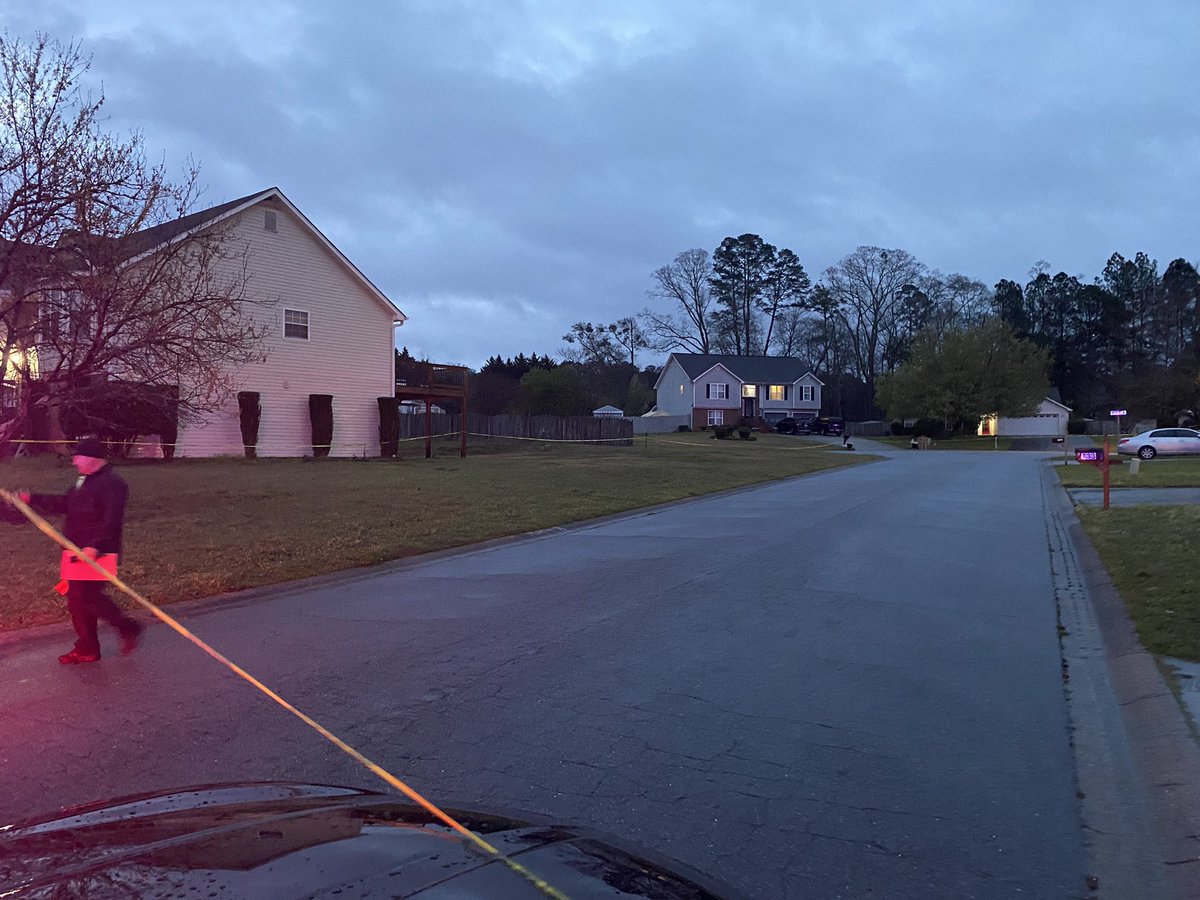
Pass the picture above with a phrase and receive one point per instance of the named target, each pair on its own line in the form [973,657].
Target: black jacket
[95,510]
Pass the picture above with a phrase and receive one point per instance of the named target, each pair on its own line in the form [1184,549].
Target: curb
[1149,728]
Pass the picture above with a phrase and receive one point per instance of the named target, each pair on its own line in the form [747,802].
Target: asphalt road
[845,685]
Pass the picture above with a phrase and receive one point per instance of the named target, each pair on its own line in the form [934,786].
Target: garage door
[1032,425]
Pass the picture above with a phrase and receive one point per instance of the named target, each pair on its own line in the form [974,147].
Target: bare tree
[99,278]
[868,286]
[593,344]
[685,284]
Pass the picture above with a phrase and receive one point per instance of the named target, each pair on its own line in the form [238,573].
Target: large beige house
[331,332]
[327,330]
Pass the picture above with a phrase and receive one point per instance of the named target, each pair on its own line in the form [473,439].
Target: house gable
[146,242]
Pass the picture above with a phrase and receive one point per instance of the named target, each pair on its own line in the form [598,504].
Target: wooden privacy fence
[577,429]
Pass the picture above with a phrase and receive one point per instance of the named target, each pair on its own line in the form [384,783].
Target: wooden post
[462,425]
[1105,468]
[428,413]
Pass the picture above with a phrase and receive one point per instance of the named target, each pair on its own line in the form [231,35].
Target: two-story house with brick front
[723,390]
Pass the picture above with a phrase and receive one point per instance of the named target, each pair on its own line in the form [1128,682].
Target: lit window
[295,324]
[716,417]
[777,392]
[680,390]
[749,390]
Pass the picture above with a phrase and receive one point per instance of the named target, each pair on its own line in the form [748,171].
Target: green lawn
[1150,552]
[197,528]
[1160,472]
[970,442]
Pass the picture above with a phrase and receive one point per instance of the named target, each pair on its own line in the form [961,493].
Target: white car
[1167,441]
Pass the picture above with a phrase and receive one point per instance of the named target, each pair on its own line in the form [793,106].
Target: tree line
[889,336]
[542,385]
[1128,337]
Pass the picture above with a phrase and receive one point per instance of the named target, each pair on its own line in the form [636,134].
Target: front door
[748,407]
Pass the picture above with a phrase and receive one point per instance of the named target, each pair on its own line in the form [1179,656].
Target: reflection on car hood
[299,840]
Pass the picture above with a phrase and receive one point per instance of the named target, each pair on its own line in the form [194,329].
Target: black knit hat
[90,446]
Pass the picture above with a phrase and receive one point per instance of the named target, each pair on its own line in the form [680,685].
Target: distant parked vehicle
[834,425]
[794,426]
[1164,441]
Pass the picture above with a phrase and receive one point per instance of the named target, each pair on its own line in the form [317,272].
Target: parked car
[301,840]
[834,425]
[794,426]
[1167,441]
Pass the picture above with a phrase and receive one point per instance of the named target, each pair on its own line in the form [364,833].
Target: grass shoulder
[1160,472]
[197,528]
[1150,553]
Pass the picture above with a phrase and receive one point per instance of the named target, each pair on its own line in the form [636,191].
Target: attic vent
[269,220]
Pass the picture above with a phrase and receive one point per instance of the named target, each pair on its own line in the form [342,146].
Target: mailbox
[1098,457]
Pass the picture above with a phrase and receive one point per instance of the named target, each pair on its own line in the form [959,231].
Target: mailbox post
[1116,414]
[1097,457]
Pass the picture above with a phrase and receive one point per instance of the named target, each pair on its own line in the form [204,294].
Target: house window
[295,324]
[680,390]
[777,392]
[270,222]
[716,417]
[50,312]
[716,391]
[749,390]
[806,392]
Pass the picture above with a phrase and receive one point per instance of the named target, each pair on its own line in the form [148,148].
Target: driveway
[845,685]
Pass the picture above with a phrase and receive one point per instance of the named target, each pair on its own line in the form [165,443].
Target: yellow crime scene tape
[51,532]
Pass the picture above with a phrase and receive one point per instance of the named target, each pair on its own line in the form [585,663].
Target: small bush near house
[722,432]
[746,434]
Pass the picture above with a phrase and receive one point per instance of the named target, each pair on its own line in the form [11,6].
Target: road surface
[844,685]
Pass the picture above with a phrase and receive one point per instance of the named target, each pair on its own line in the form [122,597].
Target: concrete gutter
[1137,755]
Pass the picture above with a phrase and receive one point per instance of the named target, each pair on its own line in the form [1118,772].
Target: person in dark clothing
[95,510]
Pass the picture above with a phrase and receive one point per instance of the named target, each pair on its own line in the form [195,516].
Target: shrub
[1076,426]
[744,433]
[897,428]
[931,428]
[722,432]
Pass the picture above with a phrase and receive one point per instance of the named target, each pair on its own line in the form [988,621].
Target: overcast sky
[504,169]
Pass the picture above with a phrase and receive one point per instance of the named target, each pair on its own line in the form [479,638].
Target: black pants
[88,602]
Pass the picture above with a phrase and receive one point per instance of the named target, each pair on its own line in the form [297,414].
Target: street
[843,685]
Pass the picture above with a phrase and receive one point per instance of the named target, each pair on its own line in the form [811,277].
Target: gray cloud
[505,169]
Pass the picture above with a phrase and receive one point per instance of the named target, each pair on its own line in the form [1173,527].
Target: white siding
[798,401]
[718,375]
[349,354]
[674,394]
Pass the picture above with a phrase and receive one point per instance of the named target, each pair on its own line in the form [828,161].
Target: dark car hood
[301,840]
